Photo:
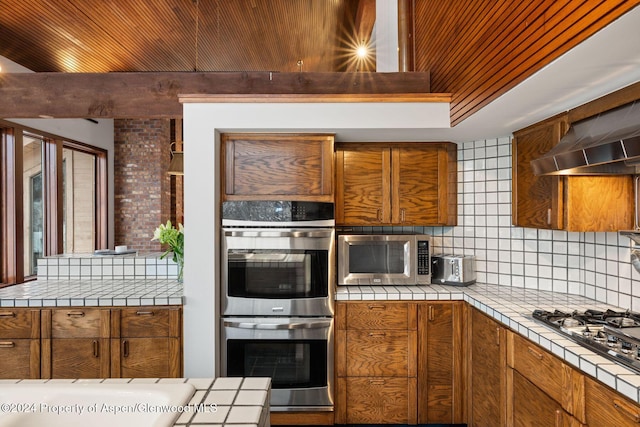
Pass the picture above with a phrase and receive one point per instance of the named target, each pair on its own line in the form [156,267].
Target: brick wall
[142,186]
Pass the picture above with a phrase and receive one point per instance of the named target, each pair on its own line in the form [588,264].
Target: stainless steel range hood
[606,144]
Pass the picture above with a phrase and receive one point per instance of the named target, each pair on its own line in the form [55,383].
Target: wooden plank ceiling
[474,49]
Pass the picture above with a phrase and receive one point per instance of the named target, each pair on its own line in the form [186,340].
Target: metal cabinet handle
[377,307]
[535,353]
[432,315]
[125,348]
[7,314]
[379,215]
[624,409]
[96,348]
[498,336]
[402,214]
[144,313]
[549,216]
[7,344]
[75,313]
[376,382]
[558,418]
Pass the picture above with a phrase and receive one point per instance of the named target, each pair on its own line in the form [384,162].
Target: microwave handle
[314,324]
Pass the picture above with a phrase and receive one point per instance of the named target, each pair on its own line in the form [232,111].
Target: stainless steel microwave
[384,259]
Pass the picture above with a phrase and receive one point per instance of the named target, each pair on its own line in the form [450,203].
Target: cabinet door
[421,192]
[277,167]
[75,343]
[537,200]
[19,343]
[488,371]
[363,176]
[379,353]
[440,363]
[79,358]
[532,407]
[150,358]
[605,407]
[146,342]
[380,400]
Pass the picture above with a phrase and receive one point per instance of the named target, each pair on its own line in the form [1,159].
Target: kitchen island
[220,402]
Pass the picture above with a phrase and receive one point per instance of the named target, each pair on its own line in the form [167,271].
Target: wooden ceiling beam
[155,95]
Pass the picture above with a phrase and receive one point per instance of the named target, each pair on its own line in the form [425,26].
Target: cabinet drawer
[146,322]
[605,407]
[77,323]
[16,323]
[538,366]
[20,358]
[378,353]
[381,400]
[380,315]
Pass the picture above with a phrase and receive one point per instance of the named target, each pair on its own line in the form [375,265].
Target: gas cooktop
[612,334]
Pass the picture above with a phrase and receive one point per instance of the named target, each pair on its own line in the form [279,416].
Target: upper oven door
[288,272]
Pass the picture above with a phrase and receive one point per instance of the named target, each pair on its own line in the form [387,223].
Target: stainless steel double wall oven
[278,283]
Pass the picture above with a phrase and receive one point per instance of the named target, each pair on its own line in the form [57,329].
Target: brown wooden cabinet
[277,167]
[539,384]
[572,203]
[487,366]
[19,343]
[396,184]
[606,407]
[75,343]
[91,342]
[400,362]
[441,364]
[146,342]
[376,368]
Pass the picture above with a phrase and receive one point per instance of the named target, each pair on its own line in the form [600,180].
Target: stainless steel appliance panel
[283,272]
[297,353]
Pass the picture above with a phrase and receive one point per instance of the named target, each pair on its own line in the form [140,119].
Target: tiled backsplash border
[88,267]
[594,265]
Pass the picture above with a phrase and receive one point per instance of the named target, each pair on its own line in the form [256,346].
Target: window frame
[11,192]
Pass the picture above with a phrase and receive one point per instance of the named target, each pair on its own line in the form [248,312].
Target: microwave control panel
[423,258]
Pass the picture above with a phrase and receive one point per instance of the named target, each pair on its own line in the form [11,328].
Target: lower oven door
[296,353]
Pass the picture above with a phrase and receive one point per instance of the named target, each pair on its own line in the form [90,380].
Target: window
[54,196]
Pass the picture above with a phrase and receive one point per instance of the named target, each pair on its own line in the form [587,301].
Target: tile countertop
[237,402]
[511,306]
[96,292]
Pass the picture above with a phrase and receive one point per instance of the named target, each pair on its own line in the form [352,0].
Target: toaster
[457,270]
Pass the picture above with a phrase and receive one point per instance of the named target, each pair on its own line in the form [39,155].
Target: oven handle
[315,233]
[314,324]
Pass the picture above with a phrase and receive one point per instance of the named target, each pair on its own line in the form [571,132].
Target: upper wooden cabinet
[572,203]
[396,184]
[277,167]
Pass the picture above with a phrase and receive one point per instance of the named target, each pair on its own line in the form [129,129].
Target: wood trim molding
[11,218]
[315,98]
[155,94]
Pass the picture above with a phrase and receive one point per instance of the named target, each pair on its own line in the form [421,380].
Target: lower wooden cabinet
[75,343]
[400,362]
[146,342]
[91,342]
[487,367]
[19,343]
[606,407]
